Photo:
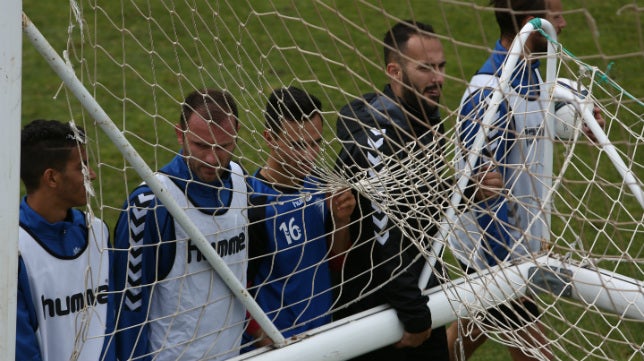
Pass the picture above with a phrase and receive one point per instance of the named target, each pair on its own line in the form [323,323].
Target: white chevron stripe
[134,275]
[376,143]
[380,220]
[137,259]
[133,305]
[380,223]
[136,229]
[138,212]
[382,238]
[374,159]
[145,197]
[376,207]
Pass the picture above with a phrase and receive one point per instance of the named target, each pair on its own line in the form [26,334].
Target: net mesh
[140,60]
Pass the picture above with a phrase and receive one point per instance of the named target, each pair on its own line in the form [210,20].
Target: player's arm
[138,235]
[350,161]
[393,254]
[470,121]
[402,291]
[108,352]
[26,320]
[257,254]
[393,258]
[257,236]
[491,208]
[133,298]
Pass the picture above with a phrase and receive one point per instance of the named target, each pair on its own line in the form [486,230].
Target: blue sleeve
[470,118]
[26,320]
[109,346]
[492,215]
[136,266]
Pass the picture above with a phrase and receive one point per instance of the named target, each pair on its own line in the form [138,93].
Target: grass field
[141,58]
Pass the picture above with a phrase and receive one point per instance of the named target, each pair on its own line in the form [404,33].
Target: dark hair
[396,38]
[511,13]
[211,104]
[46,144]
[292,104]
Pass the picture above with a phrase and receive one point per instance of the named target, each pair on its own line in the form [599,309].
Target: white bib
[524,180]
[70,296]
[193,313]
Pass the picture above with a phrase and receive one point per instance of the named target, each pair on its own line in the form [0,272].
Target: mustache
[432,88]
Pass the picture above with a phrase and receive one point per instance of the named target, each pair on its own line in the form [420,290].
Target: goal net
[137,62]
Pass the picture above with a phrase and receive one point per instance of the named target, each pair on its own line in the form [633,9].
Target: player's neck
[47,207]
[278,176]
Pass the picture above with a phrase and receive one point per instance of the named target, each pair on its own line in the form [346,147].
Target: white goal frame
[10,107]
[486,289]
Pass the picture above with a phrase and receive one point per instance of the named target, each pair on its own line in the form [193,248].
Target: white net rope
[141,59]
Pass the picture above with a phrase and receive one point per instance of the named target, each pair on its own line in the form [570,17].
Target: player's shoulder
[478,91]
[372,109]
[141,196]
[86,220]
[255,183]
[356,104]
[89,219]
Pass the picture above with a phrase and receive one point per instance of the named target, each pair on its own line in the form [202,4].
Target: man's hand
[489,183]
[341,205]
[597,113]
[261,339]
[413,339]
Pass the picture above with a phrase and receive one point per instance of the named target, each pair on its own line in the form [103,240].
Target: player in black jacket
[378,133]
[383,266]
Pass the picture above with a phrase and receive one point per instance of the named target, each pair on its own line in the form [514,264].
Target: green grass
[139,70]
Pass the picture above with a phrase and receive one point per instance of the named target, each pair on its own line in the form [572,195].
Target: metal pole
[10,107]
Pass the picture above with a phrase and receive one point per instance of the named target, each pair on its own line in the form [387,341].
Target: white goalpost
[10,89]
[127,66]
[466,297]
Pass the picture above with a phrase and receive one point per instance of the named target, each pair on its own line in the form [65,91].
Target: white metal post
[10,90]
[514,55]
[463,297]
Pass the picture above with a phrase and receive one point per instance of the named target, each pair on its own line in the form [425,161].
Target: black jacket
[383,265]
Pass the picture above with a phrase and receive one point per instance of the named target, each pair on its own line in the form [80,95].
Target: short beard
[416,101]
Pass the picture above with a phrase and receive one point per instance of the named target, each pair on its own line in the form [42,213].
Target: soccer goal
[122,69]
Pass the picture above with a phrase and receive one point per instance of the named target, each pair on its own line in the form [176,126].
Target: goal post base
[460,298]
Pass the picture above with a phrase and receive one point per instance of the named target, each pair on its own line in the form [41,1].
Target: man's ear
[180,134]
[50,178]
[394,71]
[269,137]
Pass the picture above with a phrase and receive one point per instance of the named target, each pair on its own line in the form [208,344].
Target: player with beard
[173,305]
[383,265]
